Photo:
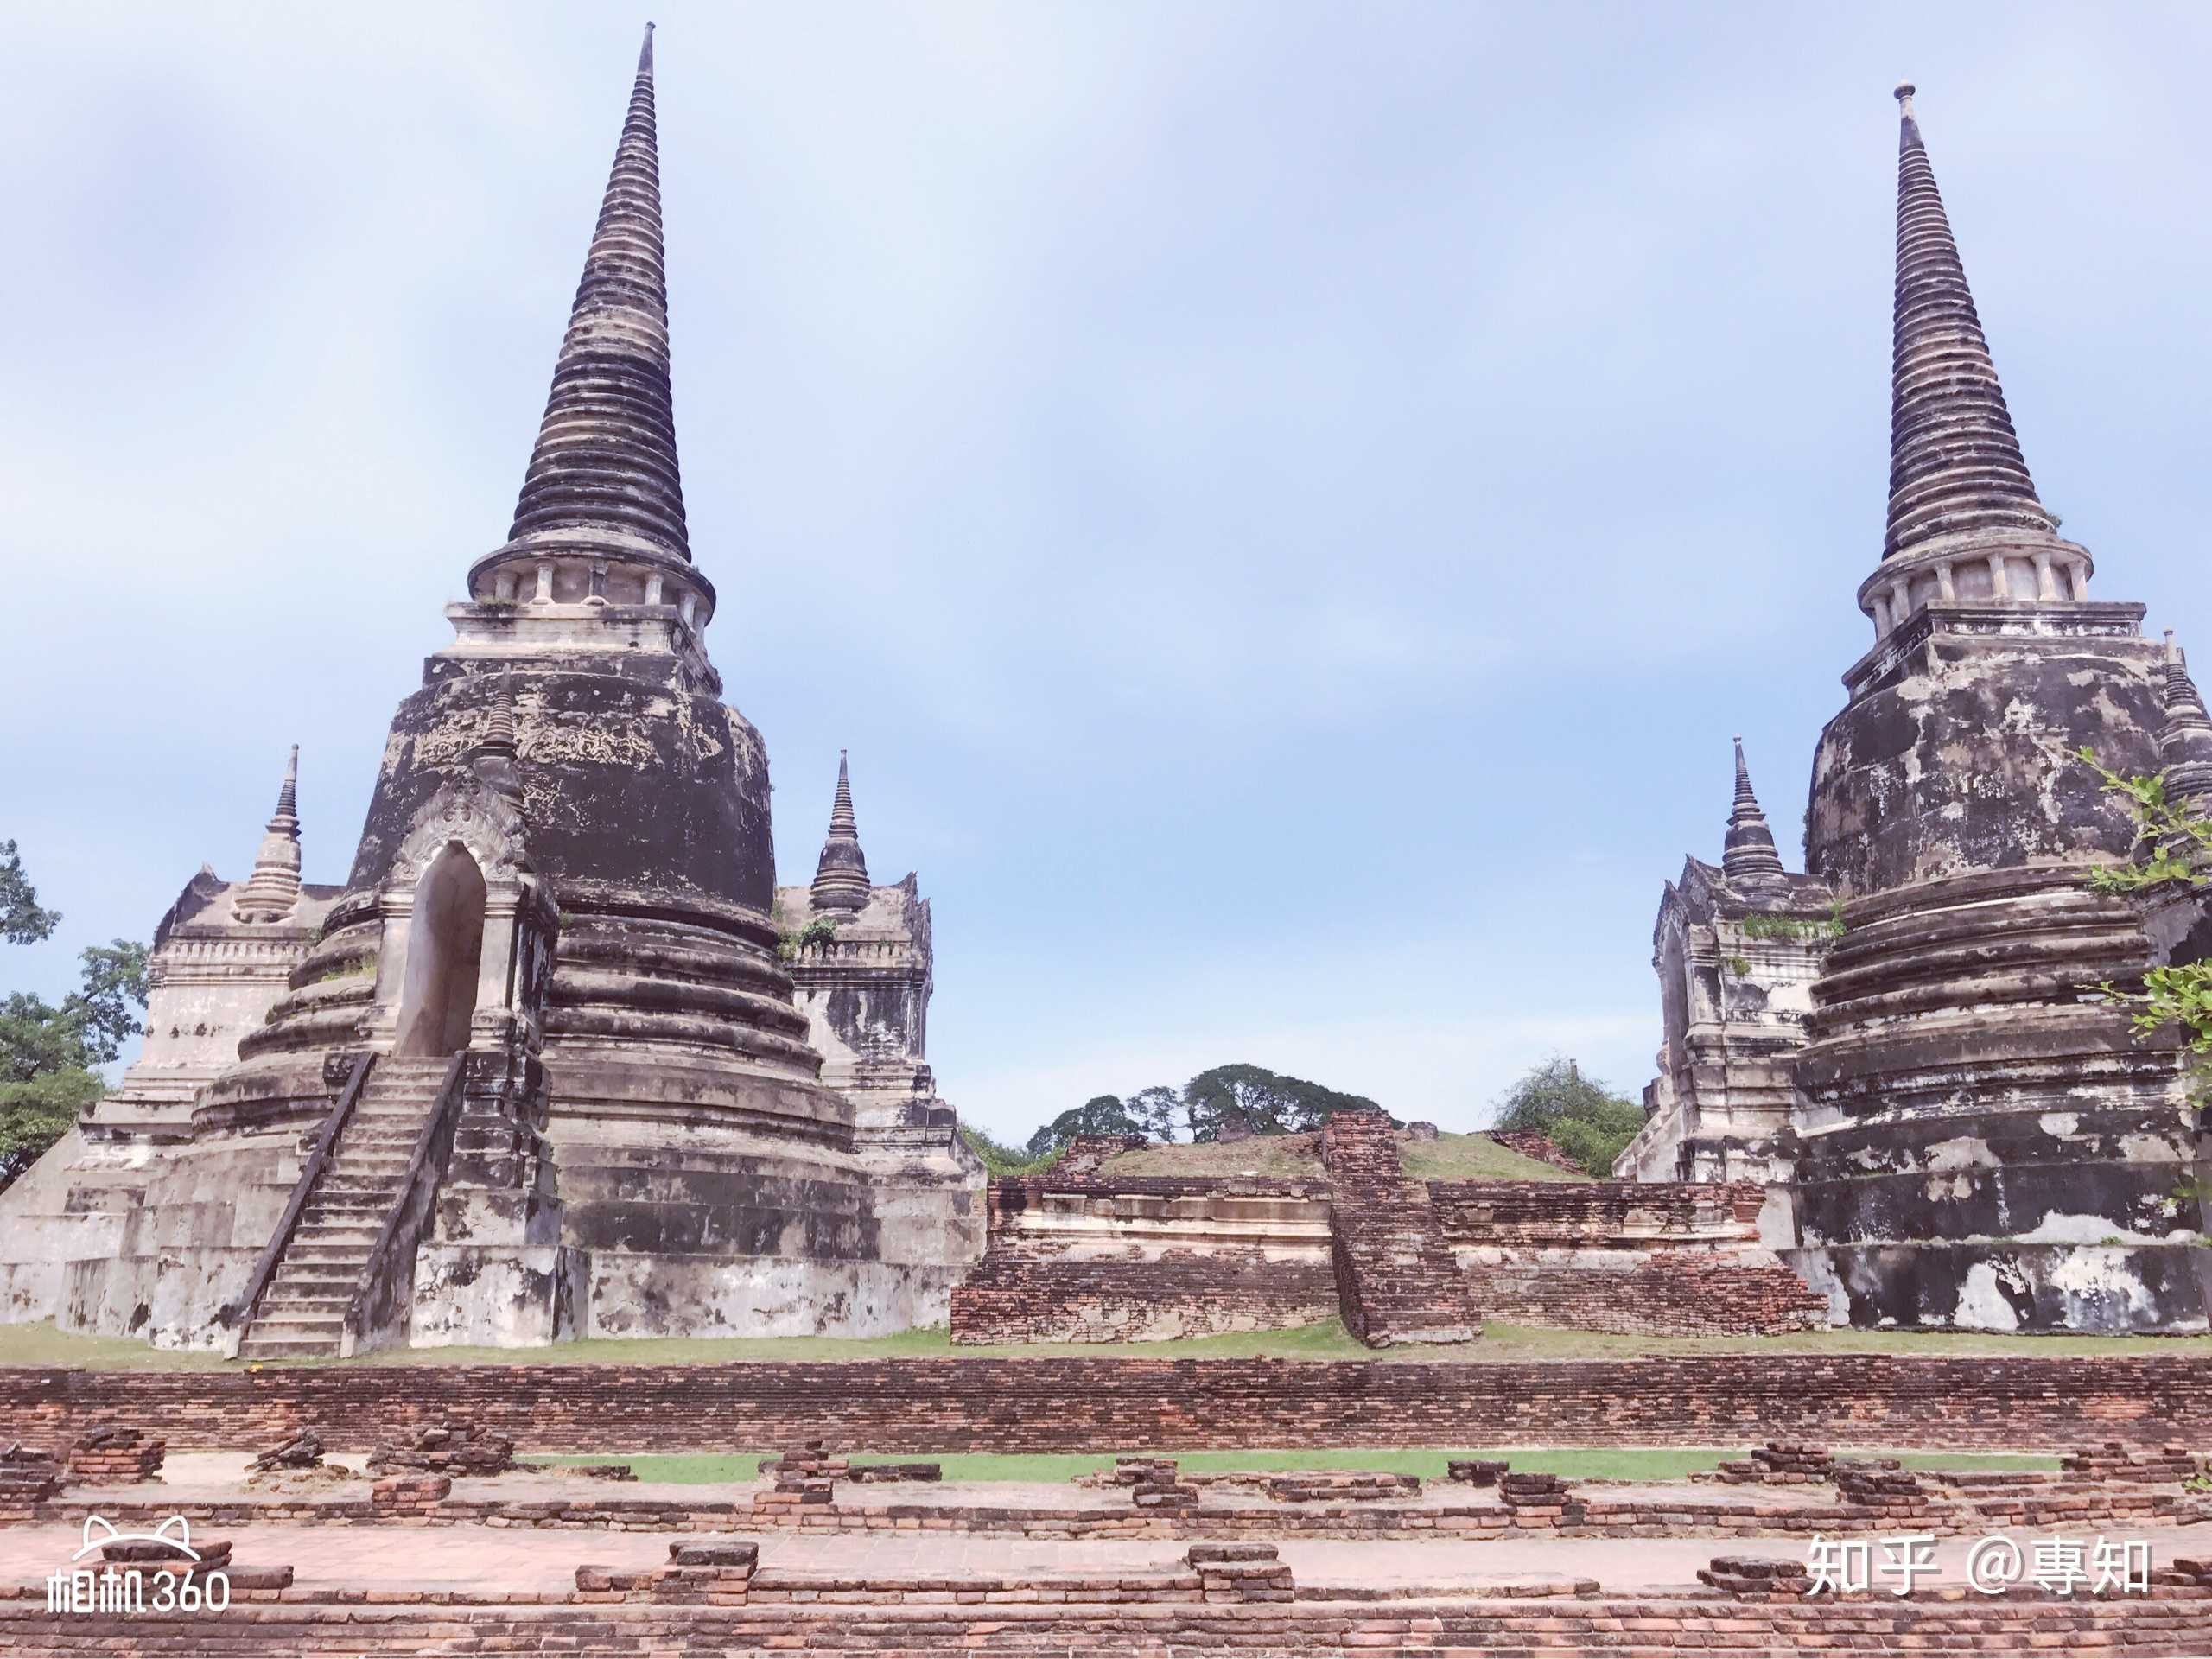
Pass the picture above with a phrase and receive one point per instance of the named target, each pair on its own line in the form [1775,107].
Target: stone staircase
[302,1314]
[1396,1279]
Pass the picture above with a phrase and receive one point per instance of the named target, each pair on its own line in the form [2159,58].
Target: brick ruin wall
[1633,1257]
[2005,1403]
[1084,1258]
[1082,1255]
[1638,1624]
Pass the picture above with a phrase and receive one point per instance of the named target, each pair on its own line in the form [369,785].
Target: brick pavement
[493,1560]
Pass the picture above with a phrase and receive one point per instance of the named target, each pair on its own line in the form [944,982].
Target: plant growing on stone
[1769,924]
[2171,847]
[2171,844]
[1001,1159]
[821,931]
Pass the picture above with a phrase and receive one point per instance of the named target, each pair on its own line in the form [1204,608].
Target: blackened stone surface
[1960,756]
[625,780]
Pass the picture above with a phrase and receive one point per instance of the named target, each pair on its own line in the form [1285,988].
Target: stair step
[299,1329]
[256,1349]
[302,1309]
[287,1310]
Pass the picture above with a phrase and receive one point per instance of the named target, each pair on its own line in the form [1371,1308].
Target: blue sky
[1286,503]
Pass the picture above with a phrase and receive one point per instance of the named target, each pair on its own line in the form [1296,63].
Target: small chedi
[538,1069]
[1906,1041]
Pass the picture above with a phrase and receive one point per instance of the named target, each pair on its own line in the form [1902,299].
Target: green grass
[1475,1157]
[1278,1157]
[42,1345]
[1582,1463]
[1291,1157]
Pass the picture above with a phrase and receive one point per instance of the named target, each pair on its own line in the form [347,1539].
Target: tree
[1157,1110]
[1234,1100]
[118,979]
[1100,1114]
[50,1057]
[36,1114]
[1585,1119]
[22,921]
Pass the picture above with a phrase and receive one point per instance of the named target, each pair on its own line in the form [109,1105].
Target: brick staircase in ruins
[302,1313]
[1396,1278]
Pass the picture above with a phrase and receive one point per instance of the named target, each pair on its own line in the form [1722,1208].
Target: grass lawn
[1279,1157]
[1474,1158]
[1585,1463]
[42,1344]
[1291,1157]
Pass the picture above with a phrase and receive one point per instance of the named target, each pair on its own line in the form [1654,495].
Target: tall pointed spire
[841,876]
[273,889]
[494,759]
[603,481]
[1748,858]
[1955,461]
[499,737]
[2185,740]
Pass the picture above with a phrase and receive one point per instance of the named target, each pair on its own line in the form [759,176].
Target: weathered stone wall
[1079,1255]
[866,995]
[1980,1143]
[1629,1257]
[2006,1403]
[1087,1258]
[1736,966]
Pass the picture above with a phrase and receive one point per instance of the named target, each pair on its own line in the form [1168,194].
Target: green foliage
[1100,1114]
[22,919]
[1739,966]
[1260,1101]
[1765,924]
[1002,1159]
[37,1112]
[791,942]
[1585,1119]
[2172,846]
[50,1055]
[2168,841]
[1156,1110]
[117,980]
[1214,1104]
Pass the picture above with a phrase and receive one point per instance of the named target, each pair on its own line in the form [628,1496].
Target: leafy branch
[2172,846]
[2176,841]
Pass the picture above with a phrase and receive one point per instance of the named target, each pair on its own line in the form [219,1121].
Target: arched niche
[445,954]
[1674,994]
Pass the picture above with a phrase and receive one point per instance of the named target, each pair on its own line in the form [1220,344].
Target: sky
[1285,503]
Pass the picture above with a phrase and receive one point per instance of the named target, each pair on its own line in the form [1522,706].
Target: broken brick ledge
[1999,1402]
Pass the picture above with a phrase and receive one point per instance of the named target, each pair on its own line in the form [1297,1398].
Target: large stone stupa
[540,1071]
